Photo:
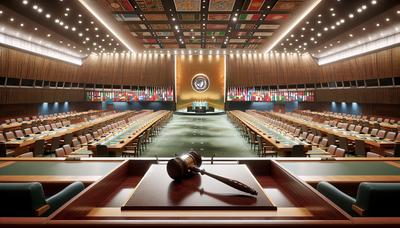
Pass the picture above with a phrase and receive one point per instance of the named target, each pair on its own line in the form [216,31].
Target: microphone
[188,164]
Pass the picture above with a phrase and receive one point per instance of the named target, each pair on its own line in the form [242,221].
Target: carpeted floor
[206,134]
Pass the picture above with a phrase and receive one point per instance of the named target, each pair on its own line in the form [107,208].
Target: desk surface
[344,171]
[55,171]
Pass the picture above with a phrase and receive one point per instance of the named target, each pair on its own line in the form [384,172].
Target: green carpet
[206,134]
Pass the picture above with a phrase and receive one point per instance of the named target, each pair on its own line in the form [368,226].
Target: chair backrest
[55,143]
[358,128]
[76,143]
[365,130]
[21,199]
[310,137]
[379,199]
[53,126]
[19,134]
[340,152]
[323,143]
[316,139]
[101,151]
[379,119]
[303,135]
[59,125]
[298,151]
[38,150]
[297,132]
[391,135]
[20,119]
[332,149]
[60,152]
[2,139]
[381,134]
[344,143]
[95,134]
[68,139]
[28,131]
[373,155]
[83,139]
[374,132]
[48,128]
[67,149]
[386,120]
[41,128]
[89,137]
[351,127]
[10,135]
[360,148]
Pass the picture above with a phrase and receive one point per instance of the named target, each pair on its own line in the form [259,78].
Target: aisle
[206,134]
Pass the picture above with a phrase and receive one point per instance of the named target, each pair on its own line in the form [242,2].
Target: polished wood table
[377,145]
[288,182]
[280,140]
[122,137]
[23,144]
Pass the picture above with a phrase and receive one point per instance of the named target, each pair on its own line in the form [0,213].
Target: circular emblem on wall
[200,83]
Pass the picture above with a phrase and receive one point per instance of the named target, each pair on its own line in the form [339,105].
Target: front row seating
[28,199]
[372,200]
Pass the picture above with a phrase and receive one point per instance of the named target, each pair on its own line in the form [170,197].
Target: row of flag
[144,94]
[253,94]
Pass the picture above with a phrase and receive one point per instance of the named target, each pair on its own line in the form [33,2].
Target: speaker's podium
[200,107]
[157,191]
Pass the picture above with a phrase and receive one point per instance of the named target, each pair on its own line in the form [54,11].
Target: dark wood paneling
[368,96]
[274,69]
[30,95]
[135,69]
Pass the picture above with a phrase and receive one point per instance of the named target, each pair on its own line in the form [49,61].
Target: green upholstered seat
[28,199]
[372,200]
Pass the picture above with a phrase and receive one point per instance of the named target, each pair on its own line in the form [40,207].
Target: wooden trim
[360,211]
[41,210]
[48,178]
[396,164]
[350,178]
[280,212]
[4,164]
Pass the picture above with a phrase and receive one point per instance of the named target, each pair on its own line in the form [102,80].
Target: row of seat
[358,148]
[28,118]
[19,134]
[353,116]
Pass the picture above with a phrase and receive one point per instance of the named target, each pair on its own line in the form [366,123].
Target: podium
[157,191]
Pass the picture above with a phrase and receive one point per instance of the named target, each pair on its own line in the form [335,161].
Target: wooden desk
[24,143]
[117,141]
[377,145]
[278,139]
[283,180]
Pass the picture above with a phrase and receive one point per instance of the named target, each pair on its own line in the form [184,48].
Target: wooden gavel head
[179,168]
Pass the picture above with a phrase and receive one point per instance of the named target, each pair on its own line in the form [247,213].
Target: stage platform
[185,112]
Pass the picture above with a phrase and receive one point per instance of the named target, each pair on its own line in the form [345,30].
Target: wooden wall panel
[273,69]
[366,96]
[30,95]
[146,70]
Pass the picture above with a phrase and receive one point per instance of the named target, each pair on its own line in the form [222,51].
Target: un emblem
[200,83]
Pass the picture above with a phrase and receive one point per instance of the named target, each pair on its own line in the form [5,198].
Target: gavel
[188,164]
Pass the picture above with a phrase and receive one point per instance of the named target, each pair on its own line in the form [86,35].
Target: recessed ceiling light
[25,2]
[351,15]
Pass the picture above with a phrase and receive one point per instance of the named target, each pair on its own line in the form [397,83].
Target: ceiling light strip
[300,18]
[18,43]
[361,49]
[105,24]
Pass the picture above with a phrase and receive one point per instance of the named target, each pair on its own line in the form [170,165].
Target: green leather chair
[28,199]
[372,200]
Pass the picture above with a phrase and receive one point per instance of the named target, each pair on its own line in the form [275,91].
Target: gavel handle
[233,183]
